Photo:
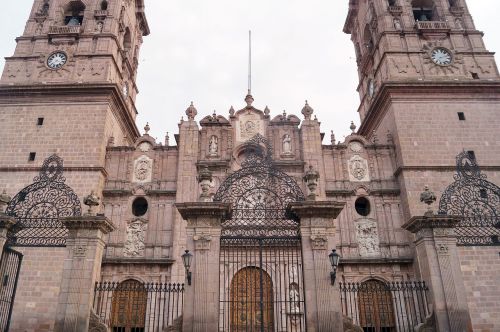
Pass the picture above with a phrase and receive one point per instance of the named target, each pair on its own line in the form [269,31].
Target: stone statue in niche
[397,24]
[134,244]
[143,168]
[287,144]
[367,235]
[213,145]
[294,297]
[99,26]
[358,169]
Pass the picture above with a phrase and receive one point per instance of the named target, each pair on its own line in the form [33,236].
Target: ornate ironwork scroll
[39,206]
[477,200]
[259,194]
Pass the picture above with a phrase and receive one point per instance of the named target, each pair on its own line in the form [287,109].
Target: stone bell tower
[70,87]
[426,78]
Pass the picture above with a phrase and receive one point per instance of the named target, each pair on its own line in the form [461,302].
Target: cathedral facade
[251,221]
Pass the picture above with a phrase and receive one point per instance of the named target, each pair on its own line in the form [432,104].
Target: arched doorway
[129,307]
[261,284]
[376,312]
[249,312]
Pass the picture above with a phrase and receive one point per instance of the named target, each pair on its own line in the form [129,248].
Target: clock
[371,88]
[125,90]
[56,60]
[441,56]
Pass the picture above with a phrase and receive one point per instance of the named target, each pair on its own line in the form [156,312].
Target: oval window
[139,207]
[362,206]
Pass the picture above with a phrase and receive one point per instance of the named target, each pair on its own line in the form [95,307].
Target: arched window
[129,306]
[376,312]
[362,206]
[423,10]
[368,39]
[74,12]
[104,5]
[139,207]
[127,40]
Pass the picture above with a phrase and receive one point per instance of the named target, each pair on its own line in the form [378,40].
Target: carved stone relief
[202,241]
[367,235]
[144,147]
[143,169]
[134,244]
[358,169]
[248,126]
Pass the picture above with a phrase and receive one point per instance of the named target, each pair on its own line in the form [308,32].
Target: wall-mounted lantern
[334,261]
[187,257]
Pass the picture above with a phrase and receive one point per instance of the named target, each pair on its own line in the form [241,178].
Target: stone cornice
[418,223]
[192,210]
[99,222]
[375,260]
[450,168]
[138,261]
[312,209]
[66,169]
[406,91]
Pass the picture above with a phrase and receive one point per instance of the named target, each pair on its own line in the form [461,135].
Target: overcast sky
[198,51]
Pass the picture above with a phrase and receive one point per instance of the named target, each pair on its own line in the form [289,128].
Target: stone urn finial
[353,127]
[311,179]
[191,112]
[307,111]
[92,201]
[428,197]
[4,201]
[332,138]
[205,179]
[147,128]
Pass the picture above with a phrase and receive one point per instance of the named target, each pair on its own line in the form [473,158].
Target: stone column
[317,228]
[201,301]
[82,268]
[439,266]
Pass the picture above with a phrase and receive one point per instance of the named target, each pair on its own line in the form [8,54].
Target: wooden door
[252,301]
[375,307]
[129,307]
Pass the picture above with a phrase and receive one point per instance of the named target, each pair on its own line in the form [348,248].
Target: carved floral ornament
[135,235]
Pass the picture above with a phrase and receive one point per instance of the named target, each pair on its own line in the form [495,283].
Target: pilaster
[6,224]
[317,228]
[203,231]
[82,268]
[439,266]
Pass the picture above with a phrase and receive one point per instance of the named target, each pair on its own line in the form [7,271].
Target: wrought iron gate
[10,266]
[261,282]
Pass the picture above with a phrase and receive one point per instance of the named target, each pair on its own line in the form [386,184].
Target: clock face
[441,56]
[57,60]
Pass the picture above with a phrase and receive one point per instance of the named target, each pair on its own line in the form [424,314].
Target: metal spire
[250,62]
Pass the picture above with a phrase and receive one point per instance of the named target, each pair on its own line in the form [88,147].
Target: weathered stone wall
[38,289]
[481,273]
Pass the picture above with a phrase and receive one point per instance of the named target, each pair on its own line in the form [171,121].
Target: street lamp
[334,261]
[187,257]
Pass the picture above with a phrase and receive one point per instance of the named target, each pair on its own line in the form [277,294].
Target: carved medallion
[356,147]
[248,126]
[144,147]
[358,169]
[143,167]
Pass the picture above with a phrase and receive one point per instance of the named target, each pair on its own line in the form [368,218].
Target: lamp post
[187,257]
[334,261]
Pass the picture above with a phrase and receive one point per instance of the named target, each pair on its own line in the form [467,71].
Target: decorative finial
[167,139]
[315,118]
[428,197]
[249,100]
[332,138]
[147,128]
[353,127]
[91,201]
[267,111]
[205,179]
[307,111]
[214,115]
[231,111]
[191,112]
[311,178]
[4,201]
[284,115]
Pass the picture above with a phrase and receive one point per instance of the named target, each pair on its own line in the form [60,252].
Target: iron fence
[138,307]
[38,232]
[261,285]
[10,265]
[385,307]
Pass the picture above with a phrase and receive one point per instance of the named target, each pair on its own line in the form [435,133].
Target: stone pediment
[284,119]
[214,120]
